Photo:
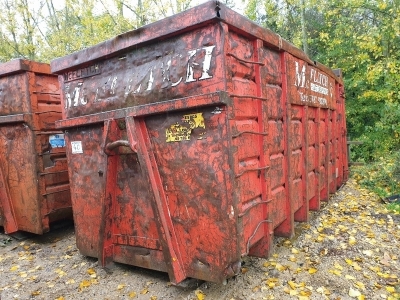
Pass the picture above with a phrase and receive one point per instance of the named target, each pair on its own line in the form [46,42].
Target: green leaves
[362,37]
[49,29]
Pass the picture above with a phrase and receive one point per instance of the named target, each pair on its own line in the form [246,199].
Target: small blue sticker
[57,141]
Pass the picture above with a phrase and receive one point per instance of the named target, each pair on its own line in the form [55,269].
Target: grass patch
[382,177]
[394,207]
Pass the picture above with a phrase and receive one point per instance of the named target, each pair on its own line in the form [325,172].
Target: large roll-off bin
[193,140]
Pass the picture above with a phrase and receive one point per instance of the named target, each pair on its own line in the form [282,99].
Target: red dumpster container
[34,187]
[193,140]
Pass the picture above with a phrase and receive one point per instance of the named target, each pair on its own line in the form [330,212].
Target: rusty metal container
[193,140]
[34,186]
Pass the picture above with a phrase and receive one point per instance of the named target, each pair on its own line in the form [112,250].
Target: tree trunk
[303,26]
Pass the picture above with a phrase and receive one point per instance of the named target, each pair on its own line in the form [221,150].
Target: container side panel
[341,135]
[339,147]
[191,150]
[296,194]
[311,130]
[53,181]
[271,74]
[312,159]
[245,143]
[276,137]
[249,181]
[311,166]
[274,109]
[86,168]
[47,85]
[278,204]
[311,187]
[14,97]
[244,108]
[277,174]
[241,75]
[296,134]
[250,222]
[343,139]
[18,159]
[45,101]
[133,214]
[247,132]
[332,152]
[189,64]
[59,204]
[297,154]
[323,154]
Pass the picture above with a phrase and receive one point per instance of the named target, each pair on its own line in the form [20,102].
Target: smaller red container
[34,185]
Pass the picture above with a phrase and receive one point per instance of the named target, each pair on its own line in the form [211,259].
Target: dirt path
[349,250]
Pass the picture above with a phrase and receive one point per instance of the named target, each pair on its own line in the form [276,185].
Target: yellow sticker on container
[182,132]
[194,120]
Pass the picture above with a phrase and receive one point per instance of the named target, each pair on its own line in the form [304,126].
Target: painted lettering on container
[310,79]
[168,72]
[82,73]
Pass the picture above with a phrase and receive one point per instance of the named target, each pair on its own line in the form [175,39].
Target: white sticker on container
[76,147]
[57,141]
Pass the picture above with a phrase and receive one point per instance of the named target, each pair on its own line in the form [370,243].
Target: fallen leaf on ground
[354,293]
[84,284]
[200,295]
[312,270]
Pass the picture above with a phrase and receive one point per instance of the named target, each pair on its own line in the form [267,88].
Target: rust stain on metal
[194,150]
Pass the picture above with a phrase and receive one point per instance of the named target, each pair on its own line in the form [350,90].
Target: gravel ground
[349,250]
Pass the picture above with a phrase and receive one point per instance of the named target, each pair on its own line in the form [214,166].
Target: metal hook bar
[119,143]
[249,96]
[246,61]
[251,206]
[254,169]
[49,111]
[255,231]
[251,132]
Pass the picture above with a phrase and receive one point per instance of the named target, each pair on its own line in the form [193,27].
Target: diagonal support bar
[137,133]
[106,246]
